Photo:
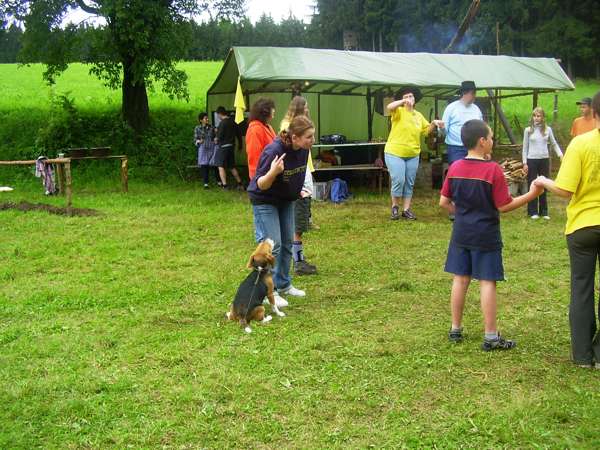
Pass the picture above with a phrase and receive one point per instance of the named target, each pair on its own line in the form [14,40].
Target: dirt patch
[26,207]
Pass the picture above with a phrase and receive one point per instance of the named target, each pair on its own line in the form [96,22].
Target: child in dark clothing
[204,139]
[475,191]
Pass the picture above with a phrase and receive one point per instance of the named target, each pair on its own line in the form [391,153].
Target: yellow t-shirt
[405,136]
[283,126]
[580,173]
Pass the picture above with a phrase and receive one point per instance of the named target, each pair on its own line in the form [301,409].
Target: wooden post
[124,175]
[555,110]
[68,183]
[502,117]
[369,116]
[60,173]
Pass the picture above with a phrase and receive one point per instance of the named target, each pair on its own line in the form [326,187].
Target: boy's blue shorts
[478,264]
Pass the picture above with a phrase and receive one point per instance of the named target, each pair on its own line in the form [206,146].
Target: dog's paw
[266,319]
[248,330]
[228,315]
[280,313]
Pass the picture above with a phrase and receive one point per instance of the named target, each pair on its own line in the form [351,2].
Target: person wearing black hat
[586,122]
[403,147]
[455,116]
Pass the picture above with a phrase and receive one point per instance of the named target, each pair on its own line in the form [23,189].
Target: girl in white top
[536,158]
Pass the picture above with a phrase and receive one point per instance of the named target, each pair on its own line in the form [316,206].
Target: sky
[278,9]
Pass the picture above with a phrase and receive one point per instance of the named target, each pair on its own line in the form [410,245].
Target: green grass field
[112,332]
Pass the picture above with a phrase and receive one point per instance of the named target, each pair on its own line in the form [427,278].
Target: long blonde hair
[297,108]
[298,126]
[538,110]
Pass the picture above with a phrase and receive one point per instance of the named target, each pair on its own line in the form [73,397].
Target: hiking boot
[408,214]
[304,268]
[455,336]
[395,213]
[291,290]
[497,344]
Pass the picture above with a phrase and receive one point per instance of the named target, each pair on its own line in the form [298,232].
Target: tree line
[567,30]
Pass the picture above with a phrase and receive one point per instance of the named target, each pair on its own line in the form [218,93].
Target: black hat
[467,86]
[585,101]
[409,89]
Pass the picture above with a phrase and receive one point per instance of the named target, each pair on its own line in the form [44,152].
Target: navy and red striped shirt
[477,188]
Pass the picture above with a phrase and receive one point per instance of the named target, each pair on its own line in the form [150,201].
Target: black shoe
[304,268]
[497,344]
[241,187]
[408,214]
[225,187]
[455,336]
[395,213]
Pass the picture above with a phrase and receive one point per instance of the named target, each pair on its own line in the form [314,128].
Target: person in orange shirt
[586,122]
[260,133]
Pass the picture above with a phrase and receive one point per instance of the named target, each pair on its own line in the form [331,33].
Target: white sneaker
[291,290]
[546,217]
[535,217]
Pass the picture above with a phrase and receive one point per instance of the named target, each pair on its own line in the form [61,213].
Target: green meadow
[112,331]
[112,328]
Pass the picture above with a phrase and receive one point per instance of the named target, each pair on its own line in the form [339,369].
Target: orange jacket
[258,137]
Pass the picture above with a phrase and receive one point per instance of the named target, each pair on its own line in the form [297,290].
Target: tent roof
[274,69]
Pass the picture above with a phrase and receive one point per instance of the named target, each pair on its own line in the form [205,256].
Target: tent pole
[369,115]
[319,119]
[535,99]
[495,119]
[502,117]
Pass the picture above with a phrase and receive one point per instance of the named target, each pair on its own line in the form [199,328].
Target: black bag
[333,139]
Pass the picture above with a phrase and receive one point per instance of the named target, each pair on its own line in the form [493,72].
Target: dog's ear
[250,261]
[271,260]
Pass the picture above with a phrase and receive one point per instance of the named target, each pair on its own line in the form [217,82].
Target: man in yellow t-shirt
[586,122]
[579,180]
[403,147]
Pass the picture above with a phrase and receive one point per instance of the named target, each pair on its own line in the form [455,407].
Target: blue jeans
[403,172]
[277,223]
[455,152]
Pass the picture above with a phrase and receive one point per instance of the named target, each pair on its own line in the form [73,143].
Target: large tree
[138,46]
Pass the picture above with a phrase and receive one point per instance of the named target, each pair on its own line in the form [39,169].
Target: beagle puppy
[248,302]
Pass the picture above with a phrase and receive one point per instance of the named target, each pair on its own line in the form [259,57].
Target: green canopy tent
[344,89]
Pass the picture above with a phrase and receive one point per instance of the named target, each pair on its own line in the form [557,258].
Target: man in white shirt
[455,116]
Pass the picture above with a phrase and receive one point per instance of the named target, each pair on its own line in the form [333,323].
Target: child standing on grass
[204,139]
[475,191]
[536,158]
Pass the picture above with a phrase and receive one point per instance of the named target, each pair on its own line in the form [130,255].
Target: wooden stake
[68,182]
[124,175]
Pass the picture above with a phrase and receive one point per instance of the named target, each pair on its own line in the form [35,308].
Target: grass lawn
[112,332]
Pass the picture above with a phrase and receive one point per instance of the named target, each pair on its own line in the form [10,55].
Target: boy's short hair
[472,131]
[221,110]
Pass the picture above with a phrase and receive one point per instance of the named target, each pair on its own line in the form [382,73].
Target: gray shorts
[224,156]
[302,214]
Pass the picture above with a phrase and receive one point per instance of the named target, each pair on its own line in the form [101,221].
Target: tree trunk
[135,101]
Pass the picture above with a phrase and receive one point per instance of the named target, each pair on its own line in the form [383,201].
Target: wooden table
[65,166]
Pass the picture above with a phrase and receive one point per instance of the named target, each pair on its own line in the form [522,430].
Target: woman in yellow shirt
[404,146]
[579,180]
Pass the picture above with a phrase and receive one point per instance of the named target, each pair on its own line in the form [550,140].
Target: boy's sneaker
[497,344]
[395,213]
[206,186]
[291,290]
[546,217]
[408,214]
[455,336]
[304,268]
[535,217]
